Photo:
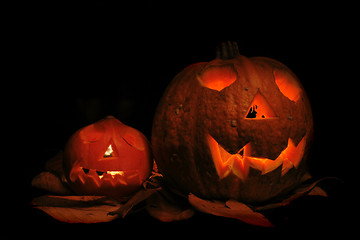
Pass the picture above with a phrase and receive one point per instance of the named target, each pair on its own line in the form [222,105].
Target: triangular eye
[109,152]
[260,108]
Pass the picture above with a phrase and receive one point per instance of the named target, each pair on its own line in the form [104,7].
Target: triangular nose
[109,152]
[260,108]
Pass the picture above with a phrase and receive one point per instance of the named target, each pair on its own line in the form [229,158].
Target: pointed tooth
[272,165]
[107,179]
[93,176]
[133,175]
[287,165]
[75,173]
[120,179]
[240,166]
[89,179]
[82,178]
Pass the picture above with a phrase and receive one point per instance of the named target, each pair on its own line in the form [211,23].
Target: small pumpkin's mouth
[101,174]
[240,162]
[105,177]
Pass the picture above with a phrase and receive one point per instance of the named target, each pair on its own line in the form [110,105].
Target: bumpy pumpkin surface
[107,158]
[233,128]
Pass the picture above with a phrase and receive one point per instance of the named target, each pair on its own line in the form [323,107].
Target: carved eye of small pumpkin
[132,139]
[217,77]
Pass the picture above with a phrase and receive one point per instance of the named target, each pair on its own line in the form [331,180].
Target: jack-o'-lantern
[233,128]
[107,158]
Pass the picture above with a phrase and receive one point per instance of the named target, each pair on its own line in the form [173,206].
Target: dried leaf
[77,209]
[150,186]
[162,209]
[140,196]
[53,179]
[230,209]
[303,190]
[50,182]
[317,191]
[55,164]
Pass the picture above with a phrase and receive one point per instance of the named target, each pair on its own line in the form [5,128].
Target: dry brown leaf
[230,209]
[53,178]
[150,186]
[77,209]
[55,164]
[305,189]
[162,209]
[317,191]
[50,182]
[140,196]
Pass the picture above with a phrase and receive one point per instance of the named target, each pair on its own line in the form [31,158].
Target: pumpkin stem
[227,50]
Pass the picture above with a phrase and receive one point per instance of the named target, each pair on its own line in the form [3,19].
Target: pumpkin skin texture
[233,128]
[107,158]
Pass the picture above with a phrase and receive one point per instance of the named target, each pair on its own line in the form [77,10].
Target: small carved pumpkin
[233,128]
[107,158]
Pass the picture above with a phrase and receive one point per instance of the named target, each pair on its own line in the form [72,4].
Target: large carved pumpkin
[107,158]
[233,128]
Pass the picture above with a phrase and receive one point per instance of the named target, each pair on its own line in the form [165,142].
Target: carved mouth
[100,178]
[101,174]
[240,162]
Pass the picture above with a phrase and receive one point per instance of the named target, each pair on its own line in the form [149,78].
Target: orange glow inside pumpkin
[260,108]
[240,162]
[217,77]
[107,158]
[287,85]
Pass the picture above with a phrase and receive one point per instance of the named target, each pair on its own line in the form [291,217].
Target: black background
[73,64]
